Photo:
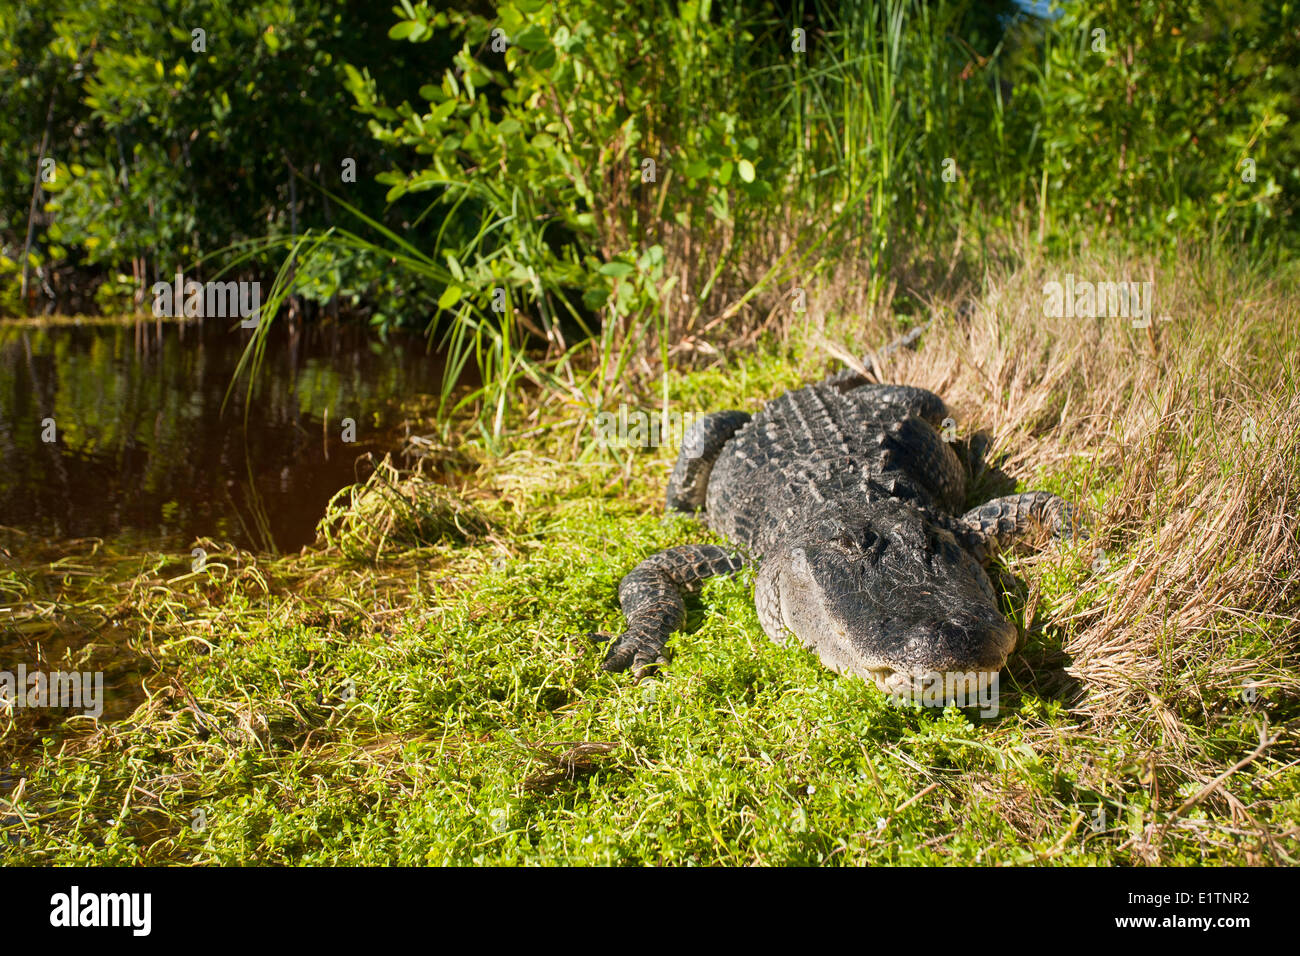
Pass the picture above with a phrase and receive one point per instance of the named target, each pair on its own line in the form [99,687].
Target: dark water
[141,444]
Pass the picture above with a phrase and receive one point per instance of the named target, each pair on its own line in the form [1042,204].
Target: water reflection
[141,445]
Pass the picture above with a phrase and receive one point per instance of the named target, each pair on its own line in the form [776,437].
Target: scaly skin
[847,498]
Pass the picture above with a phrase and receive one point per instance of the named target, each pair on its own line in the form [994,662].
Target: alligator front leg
[701,445]
[994,524]
[651,597]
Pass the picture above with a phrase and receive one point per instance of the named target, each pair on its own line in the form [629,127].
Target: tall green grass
[868,150]
[852,131]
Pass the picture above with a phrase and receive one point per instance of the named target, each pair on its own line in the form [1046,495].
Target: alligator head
[886,593]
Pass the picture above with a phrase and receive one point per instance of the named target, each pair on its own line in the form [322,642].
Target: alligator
[850,501]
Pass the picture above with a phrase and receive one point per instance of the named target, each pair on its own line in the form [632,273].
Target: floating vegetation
[395,511]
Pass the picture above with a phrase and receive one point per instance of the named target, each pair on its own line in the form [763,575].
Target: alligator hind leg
[994,524]
[701,446]
[651,597]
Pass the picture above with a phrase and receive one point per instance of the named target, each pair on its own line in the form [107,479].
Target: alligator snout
[952,654]
[979,644]
[963,653]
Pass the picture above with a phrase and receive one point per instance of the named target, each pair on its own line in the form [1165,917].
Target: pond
[118,428]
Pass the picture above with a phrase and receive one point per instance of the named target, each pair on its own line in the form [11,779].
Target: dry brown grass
[1184,439]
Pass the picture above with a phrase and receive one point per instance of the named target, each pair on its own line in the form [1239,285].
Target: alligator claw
[644,667]
[627,652]
[1072,523]
[617,656]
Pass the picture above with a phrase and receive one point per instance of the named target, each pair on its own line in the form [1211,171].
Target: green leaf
[450,296]
[595,298]
[746,170]
[454,265]
[616,269]
[532,39]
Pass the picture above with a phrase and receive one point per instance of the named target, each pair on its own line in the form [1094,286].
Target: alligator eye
[848,537]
